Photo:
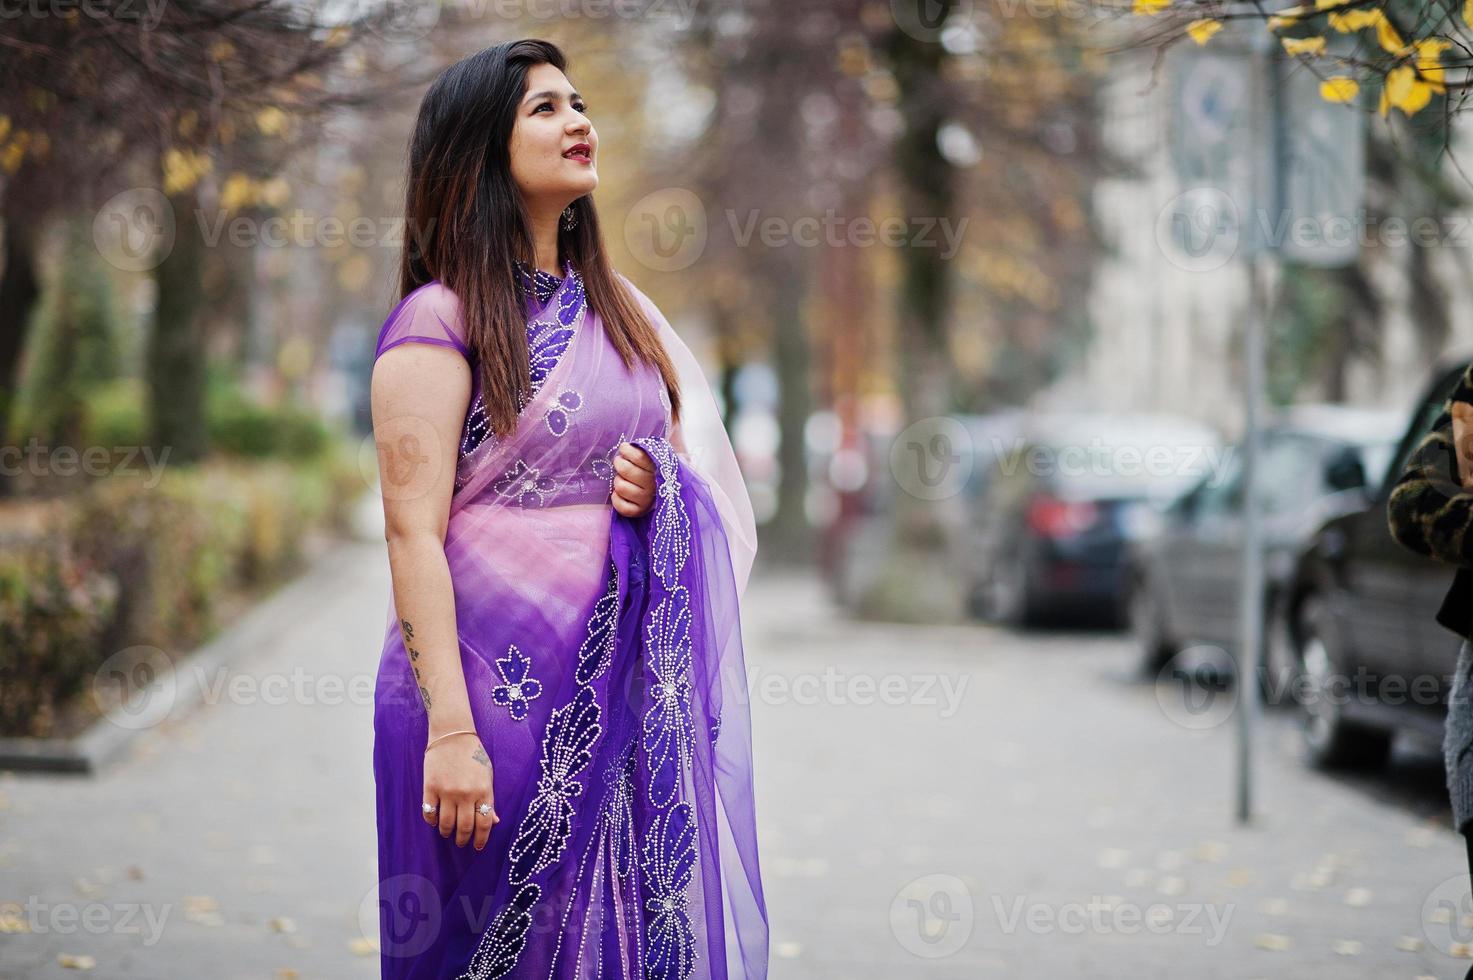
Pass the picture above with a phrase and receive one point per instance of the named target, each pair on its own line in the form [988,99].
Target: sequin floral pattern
[518,688]
[548,337]
[665,848]
[525,484]
[568,746]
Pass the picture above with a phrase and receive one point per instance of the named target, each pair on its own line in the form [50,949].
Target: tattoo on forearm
[480,756]
[424,693]
[407,629]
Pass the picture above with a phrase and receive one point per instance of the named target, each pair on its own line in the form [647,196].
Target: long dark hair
[465,224]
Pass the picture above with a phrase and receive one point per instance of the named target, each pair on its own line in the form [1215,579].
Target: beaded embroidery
[669,853]
[547,341]
[517,689]
[567,749]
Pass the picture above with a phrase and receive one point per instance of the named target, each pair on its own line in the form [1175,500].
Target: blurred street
[949,802]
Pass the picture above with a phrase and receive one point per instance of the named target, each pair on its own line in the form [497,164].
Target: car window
[1226,495]
[1290,474]
[1293,473]
[1421,424]
[1375,459]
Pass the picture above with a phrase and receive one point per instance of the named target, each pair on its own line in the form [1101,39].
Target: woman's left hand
[634,481]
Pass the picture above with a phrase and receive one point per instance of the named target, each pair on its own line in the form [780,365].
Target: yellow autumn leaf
[1355,20]
[1406,91]
[1278,22]
[276,191]
[239,191]
[271,121]
[1149,7]
[1389,39]
[183,169]
[1468,12]
[1429,61]
[14,153]
[1327,4]
[1304,45]
[1339,89]
[1202,30]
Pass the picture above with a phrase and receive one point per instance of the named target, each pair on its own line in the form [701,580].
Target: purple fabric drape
[604,663]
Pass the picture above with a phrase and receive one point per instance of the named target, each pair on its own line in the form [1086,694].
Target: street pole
[1252,596]
[1259,267]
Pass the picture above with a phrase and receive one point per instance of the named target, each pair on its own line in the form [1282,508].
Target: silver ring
[484,809]
[427,807]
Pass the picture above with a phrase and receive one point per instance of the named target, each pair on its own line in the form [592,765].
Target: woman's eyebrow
[549,95]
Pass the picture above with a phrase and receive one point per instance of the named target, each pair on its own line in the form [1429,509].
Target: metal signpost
[1270,170]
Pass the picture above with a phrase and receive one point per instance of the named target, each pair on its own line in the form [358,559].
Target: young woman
[562,751]
[1430,511]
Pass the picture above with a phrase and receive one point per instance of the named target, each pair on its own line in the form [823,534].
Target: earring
[569,218]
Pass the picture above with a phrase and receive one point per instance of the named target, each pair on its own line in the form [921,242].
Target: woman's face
[550,122]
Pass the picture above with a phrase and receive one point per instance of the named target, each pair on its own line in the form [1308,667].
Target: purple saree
[603,658]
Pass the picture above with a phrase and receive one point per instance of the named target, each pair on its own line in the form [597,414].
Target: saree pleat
[603,659]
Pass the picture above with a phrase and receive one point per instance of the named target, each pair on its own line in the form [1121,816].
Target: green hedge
[113,415]
[173,552]
[54,613]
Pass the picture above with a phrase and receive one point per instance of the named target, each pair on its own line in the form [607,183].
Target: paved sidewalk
[947,802]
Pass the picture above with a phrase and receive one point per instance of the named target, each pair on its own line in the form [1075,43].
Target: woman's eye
[581,107]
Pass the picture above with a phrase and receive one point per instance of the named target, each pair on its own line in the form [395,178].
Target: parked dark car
[1361,621]
[1184,579]
[1048,535]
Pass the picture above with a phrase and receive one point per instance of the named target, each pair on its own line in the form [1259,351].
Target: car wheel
[1279,669]
[1331,740]
[1146,620]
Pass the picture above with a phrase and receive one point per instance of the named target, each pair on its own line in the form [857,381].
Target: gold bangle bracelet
[463,731]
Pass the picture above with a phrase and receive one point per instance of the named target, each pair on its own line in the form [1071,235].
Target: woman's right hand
[1463,441]
[458,778]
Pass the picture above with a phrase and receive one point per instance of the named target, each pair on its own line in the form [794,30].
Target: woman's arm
[419,396]
[1430,509]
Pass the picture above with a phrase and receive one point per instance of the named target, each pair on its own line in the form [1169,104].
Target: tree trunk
[791,537]
[915,581]
[19,291]
[176,351]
